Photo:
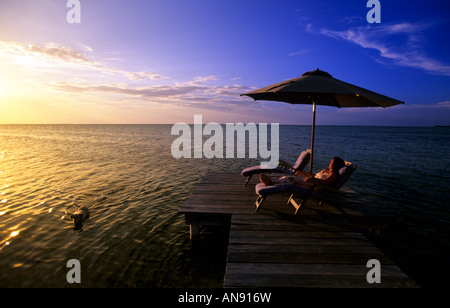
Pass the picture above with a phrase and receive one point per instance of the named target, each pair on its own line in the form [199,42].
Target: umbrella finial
[317,72]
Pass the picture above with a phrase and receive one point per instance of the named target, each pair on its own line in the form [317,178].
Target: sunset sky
[164,61]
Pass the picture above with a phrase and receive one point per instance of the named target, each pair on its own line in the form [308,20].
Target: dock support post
[194,231]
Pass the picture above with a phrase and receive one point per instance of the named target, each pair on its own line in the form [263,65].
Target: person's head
[336,163]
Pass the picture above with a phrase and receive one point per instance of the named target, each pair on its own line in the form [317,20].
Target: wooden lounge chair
[305,194]
[283,167]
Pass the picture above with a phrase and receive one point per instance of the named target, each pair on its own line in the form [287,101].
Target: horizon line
[354,125]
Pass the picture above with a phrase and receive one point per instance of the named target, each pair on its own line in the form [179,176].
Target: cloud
[401,43]
[161,92]
[200,91]
[440,105]
[445,104]
[191,93]
[141,75]
[199,80]
[57,54]
[299,52]
[205,92]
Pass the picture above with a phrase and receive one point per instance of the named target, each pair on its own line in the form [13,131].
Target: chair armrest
[282,163]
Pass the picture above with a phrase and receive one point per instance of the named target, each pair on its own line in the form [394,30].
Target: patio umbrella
[320,88]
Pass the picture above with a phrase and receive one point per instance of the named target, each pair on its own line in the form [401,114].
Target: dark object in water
[79,217]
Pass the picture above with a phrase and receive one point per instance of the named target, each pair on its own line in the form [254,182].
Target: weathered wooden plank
[209,206]
[217,200]
[217,210]
[279,226]
[289,220]
[297,241]
[296,234]
[310,269]
[315,249]
[312,281]
[313,258]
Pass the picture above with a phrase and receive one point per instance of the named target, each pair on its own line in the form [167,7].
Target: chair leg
[248,179]
[290,198]
[259,201]
[296,205]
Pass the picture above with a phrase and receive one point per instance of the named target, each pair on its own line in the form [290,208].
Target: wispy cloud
[400,43]
[445,104]
[439,105]
[32,55]
[299,52]
[199,92]
[192,93]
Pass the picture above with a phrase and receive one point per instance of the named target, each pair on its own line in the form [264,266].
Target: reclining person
[304,179]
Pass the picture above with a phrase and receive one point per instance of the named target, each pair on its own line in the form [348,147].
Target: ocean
[134,188]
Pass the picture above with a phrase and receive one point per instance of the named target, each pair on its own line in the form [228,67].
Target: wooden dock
[321,247]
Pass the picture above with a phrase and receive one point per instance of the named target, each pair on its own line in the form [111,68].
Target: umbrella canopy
[320,88]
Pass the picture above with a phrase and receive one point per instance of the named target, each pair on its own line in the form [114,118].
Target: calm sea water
[134,188]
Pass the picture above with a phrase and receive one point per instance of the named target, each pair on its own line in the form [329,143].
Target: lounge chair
[305,194]
[283,167]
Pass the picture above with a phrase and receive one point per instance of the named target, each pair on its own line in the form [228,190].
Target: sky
[164,61]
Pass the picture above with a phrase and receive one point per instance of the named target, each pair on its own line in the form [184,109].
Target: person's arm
[304,173]
[332,176]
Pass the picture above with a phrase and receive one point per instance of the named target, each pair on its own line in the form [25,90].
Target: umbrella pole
[312,137]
